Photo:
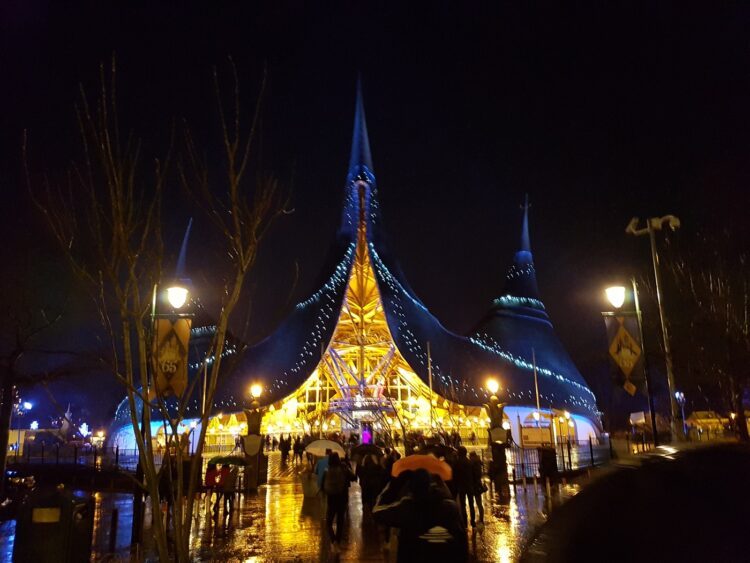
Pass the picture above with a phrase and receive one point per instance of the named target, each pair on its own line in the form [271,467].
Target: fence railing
[123,459]
[571,455]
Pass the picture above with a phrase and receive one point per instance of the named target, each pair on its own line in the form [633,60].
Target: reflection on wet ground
[280,524]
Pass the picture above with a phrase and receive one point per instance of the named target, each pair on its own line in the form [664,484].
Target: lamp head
[492,385]
[616,295]
[27,406]
[177,295]
[536,415]
[256,390]
[506,425]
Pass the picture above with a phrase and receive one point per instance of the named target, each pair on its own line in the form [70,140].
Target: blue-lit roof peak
[360,161]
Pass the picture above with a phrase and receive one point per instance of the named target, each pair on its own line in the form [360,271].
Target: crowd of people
[429,514]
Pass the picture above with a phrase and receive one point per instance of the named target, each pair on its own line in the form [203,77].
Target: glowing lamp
[536,415]
[492,385]
[506,425]
[256,389]
[34,425]
[27,405]
[571,423]
[567,415]
[100,434]
[177,296]
[616,295]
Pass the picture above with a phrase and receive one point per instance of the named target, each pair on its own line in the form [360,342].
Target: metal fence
[571,455]
[100,457]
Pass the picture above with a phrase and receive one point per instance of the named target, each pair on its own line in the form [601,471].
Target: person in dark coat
[429,521]
[462,478]
[336,480]
[477,488]
[372,479]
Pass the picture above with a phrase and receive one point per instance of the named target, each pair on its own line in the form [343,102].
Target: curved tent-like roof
[501,345]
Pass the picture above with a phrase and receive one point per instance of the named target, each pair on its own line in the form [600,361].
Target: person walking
[462,478]
[336,481]
[229,486]
[476,490]
[428,519]
[221,476]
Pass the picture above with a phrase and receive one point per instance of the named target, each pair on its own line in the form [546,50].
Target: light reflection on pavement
[280,524]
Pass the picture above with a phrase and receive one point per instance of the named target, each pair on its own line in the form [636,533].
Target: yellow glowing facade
[363,378]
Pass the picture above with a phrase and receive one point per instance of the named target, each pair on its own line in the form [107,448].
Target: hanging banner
[625,352]
[170,357]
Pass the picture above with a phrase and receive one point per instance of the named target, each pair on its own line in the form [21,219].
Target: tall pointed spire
[180,270]
[360,161]
[525,242]
[520,281]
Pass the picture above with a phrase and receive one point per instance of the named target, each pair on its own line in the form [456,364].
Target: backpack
[334,482]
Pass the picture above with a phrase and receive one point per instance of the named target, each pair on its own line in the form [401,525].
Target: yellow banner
[170,357]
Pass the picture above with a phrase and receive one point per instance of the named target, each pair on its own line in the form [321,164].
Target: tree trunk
[6,412]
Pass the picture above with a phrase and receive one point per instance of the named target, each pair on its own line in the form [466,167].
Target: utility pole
[654,224]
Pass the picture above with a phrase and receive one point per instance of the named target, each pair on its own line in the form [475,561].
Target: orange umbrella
[428,462]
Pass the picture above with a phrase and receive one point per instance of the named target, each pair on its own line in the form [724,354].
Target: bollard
[514,479]
[117,457]
[535,487]
[591,451]
[548,486]
[523,482]
[113,531]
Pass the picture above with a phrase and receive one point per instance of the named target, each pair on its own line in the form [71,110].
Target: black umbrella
[366,449]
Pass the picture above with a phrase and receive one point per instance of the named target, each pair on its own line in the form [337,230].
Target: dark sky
[600,112]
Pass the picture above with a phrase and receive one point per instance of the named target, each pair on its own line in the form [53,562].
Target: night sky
[598,113]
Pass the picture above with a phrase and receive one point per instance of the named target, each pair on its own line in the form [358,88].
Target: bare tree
[711,316]
[107,218]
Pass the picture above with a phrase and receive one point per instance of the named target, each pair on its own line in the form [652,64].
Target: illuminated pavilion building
[363,354]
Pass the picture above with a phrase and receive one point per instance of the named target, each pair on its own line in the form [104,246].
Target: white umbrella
[318,448]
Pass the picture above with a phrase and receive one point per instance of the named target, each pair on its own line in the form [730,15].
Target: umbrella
[438,450]
[366,449]
[318,448]
[227,460]
[428,462]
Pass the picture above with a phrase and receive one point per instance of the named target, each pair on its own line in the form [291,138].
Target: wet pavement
[279,524]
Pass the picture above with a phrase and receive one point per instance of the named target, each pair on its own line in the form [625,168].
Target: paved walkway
[279,525]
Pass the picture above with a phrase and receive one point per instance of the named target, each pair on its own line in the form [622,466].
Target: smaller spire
[180,270]
[360,162]
[525,241]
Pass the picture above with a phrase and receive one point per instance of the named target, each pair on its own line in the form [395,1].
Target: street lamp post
[176,295]
[498,438]
[680,397]
[20,409]
[654,224]
[616,297]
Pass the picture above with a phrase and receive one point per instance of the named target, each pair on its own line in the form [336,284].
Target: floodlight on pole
[616,295]
[177,296]
[27,406]
[493,386]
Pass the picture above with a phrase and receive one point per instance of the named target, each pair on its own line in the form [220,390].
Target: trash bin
[547,463]
[54,525]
